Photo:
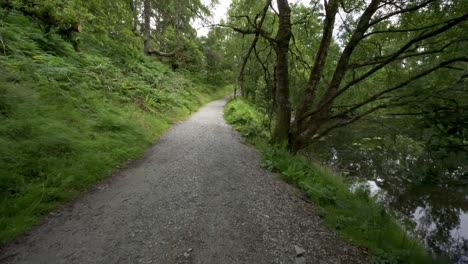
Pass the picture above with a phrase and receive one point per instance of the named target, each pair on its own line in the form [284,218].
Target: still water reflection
[428,190]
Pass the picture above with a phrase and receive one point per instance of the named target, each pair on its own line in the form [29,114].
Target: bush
[246,119]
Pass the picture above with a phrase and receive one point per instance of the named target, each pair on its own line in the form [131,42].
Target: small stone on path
[299,251]
[300,260]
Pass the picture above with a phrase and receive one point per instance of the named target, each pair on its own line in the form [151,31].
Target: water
[427,190]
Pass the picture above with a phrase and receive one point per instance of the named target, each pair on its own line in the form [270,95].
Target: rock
[299,251]
[300,260]
[190,250]
[186,255]
[55,214]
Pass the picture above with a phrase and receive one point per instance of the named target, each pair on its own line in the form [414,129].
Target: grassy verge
[357,217]
[68,119]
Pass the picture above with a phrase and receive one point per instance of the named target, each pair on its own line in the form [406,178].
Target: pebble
[300,260]
[299,251]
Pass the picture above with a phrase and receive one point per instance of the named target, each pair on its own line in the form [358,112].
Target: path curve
[198,195]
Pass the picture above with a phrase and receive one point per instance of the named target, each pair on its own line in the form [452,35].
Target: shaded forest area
[374,89]
[79,96]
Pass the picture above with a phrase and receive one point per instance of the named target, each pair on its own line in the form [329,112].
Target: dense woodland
[120,71]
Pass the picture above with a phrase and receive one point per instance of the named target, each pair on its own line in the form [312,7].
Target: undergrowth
[68,119]
[246,119]
[354,214]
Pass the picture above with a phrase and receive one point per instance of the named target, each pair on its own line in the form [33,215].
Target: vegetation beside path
[355,215]
[67,119]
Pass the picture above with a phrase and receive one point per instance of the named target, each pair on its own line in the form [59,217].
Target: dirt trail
[198,195]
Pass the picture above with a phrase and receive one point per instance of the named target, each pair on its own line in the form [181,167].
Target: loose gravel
[199,195]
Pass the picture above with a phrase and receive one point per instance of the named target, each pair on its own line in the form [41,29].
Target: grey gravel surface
[199,195]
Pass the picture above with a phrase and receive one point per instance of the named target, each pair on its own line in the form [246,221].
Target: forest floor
[199,195]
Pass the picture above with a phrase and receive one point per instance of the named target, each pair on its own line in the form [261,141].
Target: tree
[216,55]
[400,41]
[63,17]
[161,17]
[280,44]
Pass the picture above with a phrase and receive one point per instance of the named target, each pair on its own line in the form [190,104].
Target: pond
[426,189]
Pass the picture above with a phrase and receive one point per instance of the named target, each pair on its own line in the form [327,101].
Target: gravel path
[198,195]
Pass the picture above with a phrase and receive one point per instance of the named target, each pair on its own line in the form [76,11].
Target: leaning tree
[386,49]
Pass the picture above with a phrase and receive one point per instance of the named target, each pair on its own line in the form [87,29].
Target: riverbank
[355,215]
[426,187]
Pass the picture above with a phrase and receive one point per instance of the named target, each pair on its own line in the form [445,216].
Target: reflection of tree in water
[437,213]
[398,163]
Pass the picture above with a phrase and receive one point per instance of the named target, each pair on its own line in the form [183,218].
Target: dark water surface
[426,189]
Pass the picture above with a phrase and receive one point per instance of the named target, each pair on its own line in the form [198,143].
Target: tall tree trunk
[309,122]
[134,10]
[148,14]
[177,26]
[147,26]
[299,126]
[283,106]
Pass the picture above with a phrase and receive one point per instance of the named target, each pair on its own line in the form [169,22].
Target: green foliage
[59,13]
[246,119]
[68,119]
[394,68]
[218,59]
[354,214]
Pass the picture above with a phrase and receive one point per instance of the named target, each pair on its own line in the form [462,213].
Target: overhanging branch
[258,32]
[405,55]
[347,122]
[400,51]
[401,11]
[401,85]
[161,53]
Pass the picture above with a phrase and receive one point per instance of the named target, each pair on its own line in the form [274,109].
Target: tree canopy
[350,59]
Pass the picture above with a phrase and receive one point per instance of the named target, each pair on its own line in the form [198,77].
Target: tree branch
[404,30]
[395,55]
[399,86]
[254,42]
[410,9]
[343,62]
[161,53]
[378,60]
[331,9]
[253,31]
[352,120]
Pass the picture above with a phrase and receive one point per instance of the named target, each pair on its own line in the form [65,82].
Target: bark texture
[147,26]
[283,106]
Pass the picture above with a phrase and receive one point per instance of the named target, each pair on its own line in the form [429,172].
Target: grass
[356,216]
[68,119]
